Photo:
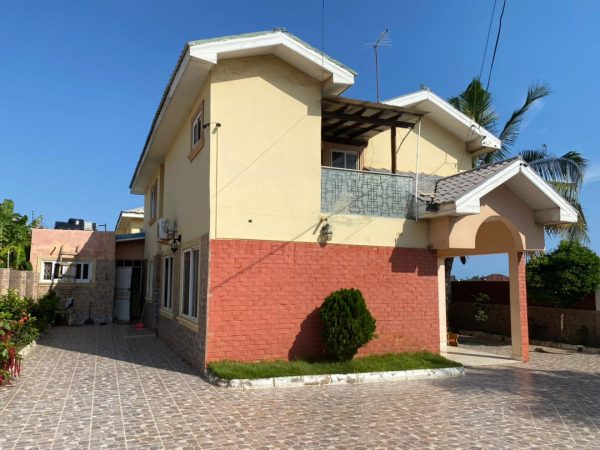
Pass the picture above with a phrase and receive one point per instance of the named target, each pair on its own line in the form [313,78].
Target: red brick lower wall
[264,297]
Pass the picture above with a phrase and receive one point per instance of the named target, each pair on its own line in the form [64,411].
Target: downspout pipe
[417,171]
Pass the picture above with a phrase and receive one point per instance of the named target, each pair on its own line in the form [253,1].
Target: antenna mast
[381,40]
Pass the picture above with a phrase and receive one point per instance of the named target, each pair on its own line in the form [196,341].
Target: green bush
[346,323]
[564,276]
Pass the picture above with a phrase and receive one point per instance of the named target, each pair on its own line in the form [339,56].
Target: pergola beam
[366,119]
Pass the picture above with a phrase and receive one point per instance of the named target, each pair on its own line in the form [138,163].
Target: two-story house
[266,189]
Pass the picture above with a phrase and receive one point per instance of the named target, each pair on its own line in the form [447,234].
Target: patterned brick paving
[111,387]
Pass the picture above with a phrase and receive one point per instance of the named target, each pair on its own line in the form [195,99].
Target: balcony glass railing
[366,193]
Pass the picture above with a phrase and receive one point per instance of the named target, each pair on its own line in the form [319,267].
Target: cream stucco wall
[259,174]
[183,188]
[187,183]
[150,226]
[440,152]
[130,225]
[267,158]
[505,223]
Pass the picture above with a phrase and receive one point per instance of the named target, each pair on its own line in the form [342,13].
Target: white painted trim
[487,139]
[191,251]
[470,202]
[212,51]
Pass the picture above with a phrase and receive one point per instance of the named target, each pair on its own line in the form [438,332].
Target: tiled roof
[450,189]
[139,210]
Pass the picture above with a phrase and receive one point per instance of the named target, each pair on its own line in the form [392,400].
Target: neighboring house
[130,221]
[94,267]
[266,190]
[495,277]
[80,264]
[129,256]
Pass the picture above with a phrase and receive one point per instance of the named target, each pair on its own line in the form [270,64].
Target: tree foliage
[564,276]
[346,323]
[15,235]
[565,173]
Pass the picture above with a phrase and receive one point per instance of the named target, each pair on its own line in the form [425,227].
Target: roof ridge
[474,169]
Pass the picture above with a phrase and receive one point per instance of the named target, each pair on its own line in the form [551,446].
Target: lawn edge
[333,379]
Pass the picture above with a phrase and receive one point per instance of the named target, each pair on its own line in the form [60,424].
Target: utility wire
[487,41]
[496,46]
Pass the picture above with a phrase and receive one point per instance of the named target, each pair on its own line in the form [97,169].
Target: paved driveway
[112,387]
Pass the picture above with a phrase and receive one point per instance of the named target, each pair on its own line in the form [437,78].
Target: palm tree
[565,173]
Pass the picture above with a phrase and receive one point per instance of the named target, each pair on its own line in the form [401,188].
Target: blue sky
[80,81]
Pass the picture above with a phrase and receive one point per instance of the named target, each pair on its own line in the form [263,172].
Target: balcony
[373,194]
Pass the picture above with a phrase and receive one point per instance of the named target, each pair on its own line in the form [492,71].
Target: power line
[487,40]
[496,46]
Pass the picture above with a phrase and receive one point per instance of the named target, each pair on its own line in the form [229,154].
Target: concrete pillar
[597,299]
[441,276]
[519,330]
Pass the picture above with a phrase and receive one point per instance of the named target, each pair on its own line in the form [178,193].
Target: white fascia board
[470,202]
[185,60]
[488,140]
[568,214]
[211,51]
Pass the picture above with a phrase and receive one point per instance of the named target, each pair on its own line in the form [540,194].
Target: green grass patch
[379,363]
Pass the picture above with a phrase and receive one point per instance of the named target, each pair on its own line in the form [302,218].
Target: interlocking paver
[115,387]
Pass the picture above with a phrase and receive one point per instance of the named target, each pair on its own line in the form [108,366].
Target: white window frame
[149,278]
[67,268]
[345,152]
[193,282]
[198,123]
[167,284]
[153,201]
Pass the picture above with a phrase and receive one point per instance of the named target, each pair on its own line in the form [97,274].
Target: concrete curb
[532,342]
[27,349]
[335,379]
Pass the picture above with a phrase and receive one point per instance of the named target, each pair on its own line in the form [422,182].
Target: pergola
[353,122]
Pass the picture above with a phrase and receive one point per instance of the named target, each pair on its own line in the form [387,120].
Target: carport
[499,208]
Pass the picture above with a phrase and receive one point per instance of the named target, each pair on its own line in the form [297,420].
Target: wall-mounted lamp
[326,232]
[216,124]
[175,243]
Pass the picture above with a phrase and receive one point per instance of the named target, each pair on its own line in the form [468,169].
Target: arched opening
[491,235]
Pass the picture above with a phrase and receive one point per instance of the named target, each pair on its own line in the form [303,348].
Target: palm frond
[532,155]
[577,158]
[573,231]
[478,104]
[511,129]
[560,170]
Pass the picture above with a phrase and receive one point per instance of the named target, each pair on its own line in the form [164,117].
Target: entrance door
[123,293]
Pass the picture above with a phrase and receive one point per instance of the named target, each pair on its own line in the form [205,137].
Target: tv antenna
[382,40]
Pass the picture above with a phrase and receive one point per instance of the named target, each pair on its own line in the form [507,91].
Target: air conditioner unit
[166,229]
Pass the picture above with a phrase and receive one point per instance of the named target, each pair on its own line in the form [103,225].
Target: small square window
[343,159]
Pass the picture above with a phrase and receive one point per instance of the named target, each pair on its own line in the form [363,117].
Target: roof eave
[336,76]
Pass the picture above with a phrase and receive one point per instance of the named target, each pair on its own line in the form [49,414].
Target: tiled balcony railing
[366,193]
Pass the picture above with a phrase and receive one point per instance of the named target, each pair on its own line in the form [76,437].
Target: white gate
[123,293]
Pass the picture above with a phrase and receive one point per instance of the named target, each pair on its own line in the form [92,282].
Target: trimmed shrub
[346,323]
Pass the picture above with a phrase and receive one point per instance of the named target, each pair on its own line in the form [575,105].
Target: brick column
[441,279]
[518,306]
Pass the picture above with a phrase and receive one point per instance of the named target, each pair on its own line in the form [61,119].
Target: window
[344,159]
[197,132]
[167,297]
[197,129]
[75,271]
[153,202]
[189,279]
[149,279]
